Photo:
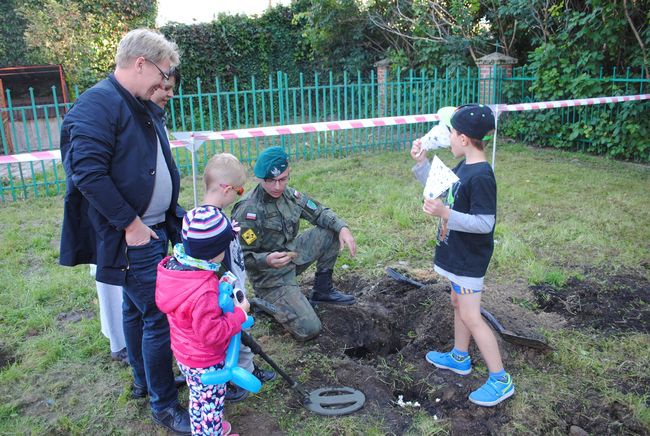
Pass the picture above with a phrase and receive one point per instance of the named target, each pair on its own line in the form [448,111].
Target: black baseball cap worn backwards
[473,120]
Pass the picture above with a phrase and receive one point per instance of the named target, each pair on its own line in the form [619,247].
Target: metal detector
[329,401]
[507,335]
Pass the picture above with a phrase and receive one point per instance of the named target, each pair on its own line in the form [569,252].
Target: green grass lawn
[560,215]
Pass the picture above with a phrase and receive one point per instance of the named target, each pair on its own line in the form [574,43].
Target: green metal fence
[564,127]
[277,100]
[317,99]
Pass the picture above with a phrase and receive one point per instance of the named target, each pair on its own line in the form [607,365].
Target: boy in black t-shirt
[466,244]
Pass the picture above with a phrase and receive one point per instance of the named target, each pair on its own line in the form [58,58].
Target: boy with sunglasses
[223,181]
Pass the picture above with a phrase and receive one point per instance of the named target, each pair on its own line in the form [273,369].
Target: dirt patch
[7,357]
[256,422]
[378,346]
[385,337]
[617,303]
[74,316]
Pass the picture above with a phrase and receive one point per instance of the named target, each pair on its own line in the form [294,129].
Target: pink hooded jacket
[200,331]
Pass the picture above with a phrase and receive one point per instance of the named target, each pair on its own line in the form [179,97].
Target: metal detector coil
[324,401]
[334,401]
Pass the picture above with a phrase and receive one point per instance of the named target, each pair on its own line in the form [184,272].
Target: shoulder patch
[251,216]
[297,194]
[249,236]
[311,204]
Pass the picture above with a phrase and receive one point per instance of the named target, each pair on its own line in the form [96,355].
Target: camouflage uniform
[269,225]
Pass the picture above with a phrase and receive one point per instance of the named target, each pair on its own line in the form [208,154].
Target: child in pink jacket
[187,290]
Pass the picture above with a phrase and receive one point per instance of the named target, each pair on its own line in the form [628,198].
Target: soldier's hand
[346,238]
[278,259]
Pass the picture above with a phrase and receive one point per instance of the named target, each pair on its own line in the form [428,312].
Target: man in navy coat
[121,207]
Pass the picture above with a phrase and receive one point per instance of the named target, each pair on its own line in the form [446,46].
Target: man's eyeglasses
[239,190]
[162,73]
[281,181]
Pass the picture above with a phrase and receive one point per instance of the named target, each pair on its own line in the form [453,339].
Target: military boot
[325,292]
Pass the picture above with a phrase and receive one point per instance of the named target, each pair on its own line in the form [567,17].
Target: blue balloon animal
[230,371]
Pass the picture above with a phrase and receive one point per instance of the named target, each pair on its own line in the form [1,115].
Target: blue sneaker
[449,361]
[493,392]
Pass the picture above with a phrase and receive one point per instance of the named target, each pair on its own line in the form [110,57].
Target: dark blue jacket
[108,148]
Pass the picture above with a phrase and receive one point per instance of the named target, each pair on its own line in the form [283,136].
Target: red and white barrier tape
[292,129]
[35,156]
[568,103]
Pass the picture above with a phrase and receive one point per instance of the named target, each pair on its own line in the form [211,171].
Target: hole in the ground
[382,322]
[364,332]
[365,352]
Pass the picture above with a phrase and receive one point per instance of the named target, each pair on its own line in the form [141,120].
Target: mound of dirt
[616,303]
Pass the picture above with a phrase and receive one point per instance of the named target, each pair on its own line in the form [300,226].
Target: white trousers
[110,312]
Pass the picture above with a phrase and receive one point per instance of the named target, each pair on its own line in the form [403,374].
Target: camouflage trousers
[280,286]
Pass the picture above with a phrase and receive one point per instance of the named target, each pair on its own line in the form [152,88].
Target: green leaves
[82,35]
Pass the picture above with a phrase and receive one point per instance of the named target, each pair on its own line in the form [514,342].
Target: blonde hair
[224,168]
[147,43]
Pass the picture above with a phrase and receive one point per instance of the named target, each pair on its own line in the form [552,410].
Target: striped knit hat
[206,233]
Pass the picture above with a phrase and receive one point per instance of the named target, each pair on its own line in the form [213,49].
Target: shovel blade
[516,339]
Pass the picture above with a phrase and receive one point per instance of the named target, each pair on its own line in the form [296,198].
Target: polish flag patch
[251,216]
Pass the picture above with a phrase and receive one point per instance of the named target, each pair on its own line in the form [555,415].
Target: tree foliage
[13,50]
[441,33]
[238,45]
[338,33]
[82,35]
[308,36]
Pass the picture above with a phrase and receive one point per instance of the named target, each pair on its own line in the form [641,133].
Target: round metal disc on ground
[334,401]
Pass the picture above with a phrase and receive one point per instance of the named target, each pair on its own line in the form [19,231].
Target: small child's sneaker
[493,392]
[450,361]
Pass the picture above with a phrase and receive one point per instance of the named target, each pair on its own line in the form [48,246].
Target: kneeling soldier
[275,254]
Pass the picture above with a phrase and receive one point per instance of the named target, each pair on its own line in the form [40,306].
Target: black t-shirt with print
[469,254]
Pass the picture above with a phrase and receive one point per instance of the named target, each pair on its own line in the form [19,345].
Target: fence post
[489,66]
[6,132]
[382,78]
[281,105]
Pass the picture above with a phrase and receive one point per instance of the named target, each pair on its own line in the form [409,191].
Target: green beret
[271,163]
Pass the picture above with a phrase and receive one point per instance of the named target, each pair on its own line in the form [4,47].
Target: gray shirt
[162,192]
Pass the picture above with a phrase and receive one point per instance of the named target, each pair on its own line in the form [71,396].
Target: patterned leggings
[206,401]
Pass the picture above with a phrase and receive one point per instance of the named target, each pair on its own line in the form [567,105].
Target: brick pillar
[492,68]
[4,119]
[382,78]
